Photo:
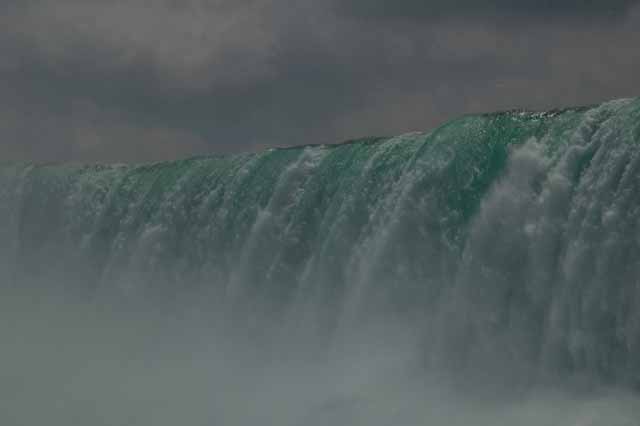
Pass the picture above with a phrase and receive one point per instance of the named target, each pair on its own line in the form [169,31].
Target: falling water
[487,272]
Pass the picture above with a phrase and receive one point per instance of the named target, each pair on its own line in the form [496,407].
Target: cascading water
[497,249]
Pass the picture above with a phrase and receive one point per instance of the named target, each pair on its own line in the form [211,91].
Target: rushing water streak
[511,239]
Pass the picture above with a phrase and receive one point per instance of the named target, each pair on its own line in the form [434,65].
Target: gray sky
[139,80]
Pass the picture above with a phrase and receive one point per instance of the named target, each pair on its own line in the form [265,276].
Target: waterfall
[507,243]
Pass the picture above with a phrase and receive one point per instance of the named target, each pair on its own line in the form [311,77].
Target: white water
[341,286]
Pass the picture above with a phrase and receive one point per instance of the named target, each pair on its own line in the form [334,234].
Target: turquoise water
[508,240]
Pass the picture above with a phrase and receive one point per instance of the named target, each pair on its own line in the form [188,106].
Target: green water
[527,223]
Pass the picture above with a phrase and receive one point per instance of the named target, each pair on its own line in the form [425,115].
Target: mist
[67,363]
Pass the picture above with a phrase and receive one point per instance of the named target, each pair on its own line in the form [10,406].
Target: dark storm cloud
[145,80]
[528,9]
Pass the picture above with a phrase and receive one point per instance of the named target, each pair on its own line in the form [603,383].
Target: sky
[150,80]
